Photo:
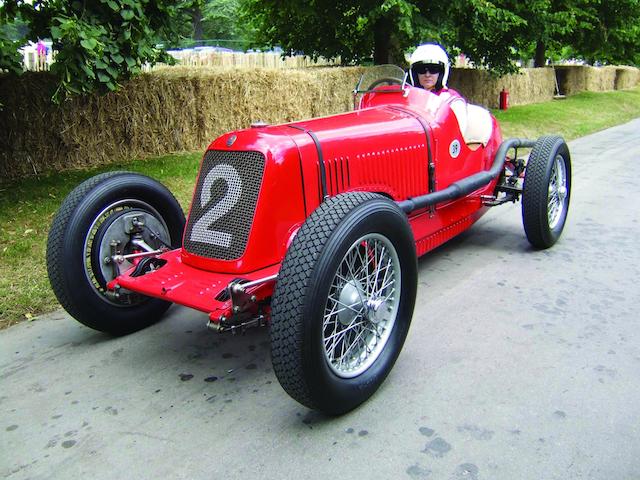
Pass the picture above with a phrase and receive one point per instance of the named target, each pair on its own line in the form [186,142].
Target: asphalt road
[520,364]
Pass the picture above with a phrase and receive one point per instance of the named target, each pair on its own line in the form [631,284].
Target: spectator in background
[41,50]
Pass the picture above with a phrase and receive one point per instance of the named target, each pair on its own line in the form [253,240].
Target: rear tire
[89,221]
[343,302]
[546,191]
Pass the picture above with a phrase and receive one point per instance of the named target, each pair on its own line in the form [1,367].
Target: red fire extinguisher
[504,99]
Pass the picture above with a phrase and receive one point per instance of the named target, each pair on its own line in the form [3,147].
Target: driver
[429,69]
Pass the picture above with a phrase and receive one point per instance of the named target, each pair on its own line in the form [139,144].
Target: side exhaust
[469,184]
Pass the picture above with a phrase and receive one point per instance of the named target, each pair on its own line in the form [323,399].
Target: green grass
[28,206]
[571,117]
[26,210]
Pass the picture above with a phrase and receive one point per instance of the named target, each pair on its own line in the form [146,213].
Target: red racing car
[312,228]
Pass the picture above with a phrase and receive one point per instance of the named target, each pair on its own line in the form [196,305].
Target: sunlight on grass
[571,117]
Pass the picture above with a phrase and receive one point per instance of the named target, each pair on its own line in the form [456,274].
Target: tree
[11,32]
[213,20]
[220,20]
[486,32]
[353,30]
[596,30]
[357,29]
[608,32]
[493,34]
[99,43]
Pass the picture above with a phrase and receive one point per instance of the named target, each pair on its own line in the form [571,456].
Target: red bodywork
[380,147]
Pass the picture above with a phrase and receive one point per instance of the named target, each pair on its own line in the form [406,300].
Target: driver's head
[429,67]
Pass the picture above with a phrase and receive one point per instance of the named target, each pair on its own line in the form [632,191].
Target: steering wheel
[384,81]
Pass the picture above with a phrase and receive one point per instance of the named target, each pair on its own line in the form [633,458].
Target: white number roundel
[454,148]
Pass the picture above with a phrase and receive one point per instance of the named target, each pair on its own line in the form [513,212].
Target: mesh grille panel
[224,203]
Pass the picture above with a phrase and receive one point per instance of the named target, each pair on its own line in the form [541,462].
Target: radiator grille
[224,203]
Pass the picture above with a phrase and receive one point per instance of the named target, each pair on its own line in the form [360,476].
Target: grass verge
[571,117]
[28,206]
[26,210]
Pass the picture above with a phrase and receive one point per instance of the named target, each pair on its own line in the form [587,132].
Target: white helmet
[430,53]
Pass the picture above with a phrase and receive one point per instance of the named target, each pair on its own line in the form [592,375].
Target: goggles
[432,68]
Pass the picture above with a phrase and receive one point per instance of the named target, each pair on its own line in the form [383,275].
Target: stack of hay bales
[626,77]
[574,79]
[172,109]
[184,109]
[531,85]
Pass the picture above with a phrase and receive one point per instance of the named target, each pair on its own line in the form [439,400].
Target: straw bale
[171,109]
[185,108]
[626,77]
[574,79]
[601,79]
[531,85]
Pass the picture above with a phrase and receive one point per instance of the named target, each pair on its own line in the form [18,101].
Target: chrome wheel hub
[110,234]
[376,310]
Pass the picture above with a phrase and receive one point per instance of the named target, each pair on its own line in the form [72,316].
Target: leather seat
[479,126]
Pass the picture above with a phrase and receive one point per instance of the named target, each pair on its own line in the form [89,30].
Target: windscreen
[381,75]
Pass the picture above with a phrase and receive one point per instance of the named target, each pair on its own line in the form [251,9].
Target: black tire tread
[535,192]
[60,281]
[55,240]
[294,281]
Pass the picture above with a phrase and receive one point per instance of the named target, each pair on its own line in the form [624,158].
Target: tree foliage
[608,32]
[595,30]
[12,30]
[352,30]
[10,60]
[493,34]
[486,32]
[220,20]
[385,29]
[99,43]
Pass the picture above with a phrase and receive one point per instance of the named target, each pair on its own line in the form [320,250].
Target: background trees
[608,32]
[215,22]
[492,33]
[97,43]
[12,30]
[355,30]
[102,42]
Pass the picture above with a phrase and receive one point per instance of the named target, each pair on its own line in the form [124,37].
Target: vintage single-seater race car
[312,228]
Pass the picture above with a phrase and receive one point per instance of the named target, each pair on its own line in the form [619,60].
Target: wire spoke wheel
[343,302]
[557,191]
[362,305]
[546,191]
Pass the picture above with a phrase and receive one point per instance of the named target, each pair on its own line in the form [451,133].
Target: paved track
[519,365]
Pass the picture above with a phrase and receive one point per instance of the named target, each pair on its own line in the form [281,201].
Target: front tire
[343,302]
[93,221]
[546,191]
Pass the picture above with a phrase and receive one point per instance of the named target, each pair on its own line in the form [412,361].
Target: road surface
[520,364]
